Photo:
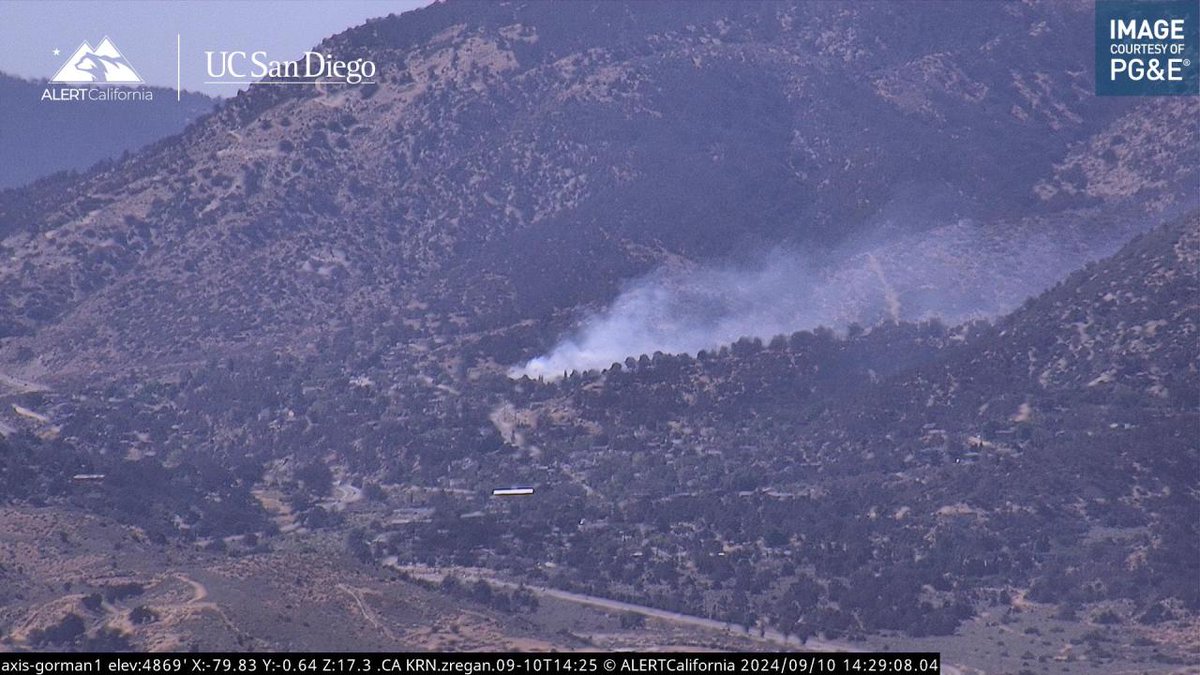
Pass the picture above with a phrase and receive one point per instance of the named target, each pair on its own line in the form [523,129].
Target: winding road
[772,636]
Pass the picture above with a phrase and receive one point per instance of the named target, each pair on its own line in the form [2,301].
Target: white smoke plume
[955,272]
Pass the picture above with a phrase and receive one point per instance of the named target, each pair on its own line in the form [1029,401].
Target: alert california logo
[104,69]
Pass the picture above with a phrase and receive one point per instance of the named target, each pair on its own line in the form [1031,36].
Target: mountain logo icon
[104,64]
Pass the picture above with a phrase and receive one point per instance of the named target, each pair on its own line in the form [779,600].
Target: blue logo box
[1147,48]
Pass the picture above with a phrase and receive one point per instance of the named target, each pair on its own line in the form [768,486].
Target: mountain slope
[592,155]
[296,319]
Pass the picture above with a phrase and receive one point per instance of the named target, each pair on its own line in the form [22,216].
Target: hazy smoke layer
[955,272]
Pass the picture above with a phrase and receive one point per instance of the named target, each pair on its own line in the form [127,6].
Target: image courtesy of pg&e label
[1147,48]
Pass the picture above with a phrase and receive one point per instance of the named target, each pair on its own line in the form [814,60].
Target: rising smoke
[956,272]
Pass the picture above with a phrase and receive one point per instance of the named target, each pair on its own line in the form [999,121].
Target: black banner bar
[470,663]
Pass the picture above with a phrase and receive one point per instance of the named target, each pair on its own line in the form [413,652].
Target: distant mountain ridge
[49,137]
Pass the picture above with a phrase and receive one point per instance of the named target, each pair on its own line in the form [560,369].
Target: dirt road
[772,636]
[21,386]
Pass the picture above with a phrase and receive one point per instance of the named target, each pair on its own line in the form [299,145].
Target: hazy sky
[145,30]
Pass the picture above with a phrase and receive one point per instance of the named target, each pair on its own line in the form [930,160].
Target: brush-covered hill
[902,478]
